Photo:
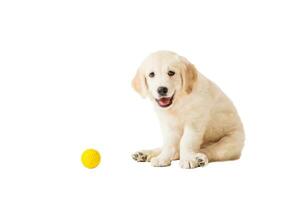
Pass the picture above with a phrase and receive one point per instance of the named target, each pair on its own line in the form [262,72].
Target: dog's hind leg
[146,155]
[227,148]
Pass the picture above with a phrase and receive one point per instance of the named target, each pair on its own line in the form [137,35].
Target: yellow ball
[90,158]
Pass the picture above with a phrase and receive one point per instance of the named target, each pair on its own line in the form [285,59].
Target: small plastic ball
[90,158]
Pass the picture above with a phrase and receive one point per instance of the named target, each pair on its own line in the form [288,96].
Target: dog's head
[163,77]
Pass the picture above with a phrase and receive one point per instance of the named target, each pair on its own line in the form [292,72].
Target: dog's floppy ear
[189,76]
[139,83]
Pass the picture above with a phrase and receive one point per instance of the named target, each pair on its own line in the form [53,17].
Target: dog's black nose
[162,91]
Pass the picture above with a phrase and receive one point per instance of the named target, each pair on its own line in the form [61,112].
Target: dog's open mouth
[165,101]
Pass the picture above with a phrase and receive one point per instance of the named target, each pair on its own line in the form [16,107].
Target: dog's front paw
[193,160]
[160,162]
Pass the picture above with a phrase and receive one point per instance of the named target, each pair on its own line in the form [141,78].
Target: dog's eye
[171,73]
[151,75]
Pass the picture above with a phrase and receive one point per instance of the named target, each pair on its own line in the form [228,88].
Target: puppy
[198,121]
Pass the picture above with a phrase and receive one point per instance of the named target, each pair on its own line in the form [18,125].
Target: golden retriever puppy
[198,121]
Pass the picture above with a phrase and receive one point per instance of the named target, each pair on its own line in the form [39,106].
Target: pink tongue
[164,101]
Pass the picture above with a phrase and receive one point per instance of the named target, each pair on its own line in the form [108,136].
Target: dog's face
[164,77]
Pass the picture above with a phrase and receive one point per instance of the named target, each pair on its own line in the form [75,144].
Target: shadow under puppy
[199,122]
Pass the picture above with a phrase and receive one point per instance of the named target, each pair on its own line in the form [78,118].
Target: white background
[65,73]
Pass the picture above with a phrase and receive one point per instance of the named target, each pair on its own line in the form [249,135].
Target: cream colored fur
[201,126]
